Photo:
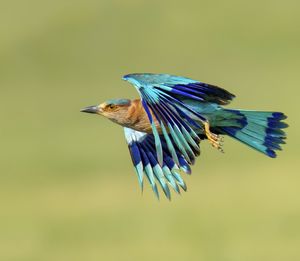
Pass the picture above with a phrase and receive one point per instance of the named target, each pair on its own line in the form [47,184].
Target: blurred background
[67,186]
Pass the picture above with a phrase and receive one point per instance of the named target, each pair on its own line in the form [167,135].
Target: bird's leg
[214,139]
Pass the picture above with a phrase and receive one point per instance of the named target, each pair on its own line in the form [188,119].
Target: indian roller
[164,127]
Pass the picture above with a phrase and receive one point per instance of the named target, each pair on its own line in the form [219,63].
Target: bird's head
[114,110]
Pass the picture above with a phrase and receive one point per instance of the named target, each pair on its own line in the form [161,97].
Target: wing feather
[143,153]
[164,96]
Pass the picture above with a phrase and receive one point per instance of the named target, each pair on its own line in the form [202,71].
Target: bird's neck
[136,117]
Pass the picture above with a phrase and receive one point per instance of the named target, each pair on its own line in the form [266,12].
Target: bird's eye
[111,106]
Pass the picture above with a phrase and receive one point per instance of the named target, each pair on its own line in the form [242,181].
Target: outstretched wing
[142,150]
[165,95]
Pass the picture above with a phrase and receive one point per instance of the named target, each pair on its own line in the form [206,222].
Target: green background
[67,187]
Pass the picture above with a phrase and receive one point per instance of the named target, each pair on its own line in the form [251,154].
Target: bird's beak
[92,109]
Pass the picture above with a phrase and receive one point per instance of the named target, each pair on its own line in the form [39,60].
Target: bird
[173,115]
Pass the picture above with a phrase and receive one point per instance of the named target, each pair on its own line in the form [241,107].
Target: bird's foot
[214,139]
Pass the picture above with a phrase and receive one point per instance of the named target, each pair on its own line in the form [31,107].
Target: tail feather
[257,129]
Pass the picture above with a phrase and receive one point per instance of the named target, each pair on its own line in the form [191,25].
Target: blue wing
[142,150]
[165,95]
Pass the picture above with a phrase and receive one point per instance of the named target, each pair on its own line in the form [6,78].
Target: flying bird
[164,127]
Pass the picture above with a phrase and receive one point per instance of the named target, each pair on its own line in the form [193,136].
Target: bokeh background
[67,187]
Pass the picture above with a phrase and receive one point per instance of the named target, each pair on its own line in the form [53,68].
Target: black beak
[90,109]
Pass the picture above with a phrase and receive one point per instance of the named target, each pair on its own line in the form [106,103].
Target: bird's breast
[138,118]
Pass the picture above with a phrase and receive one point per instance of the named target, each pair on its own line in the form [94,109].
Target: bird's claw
[214,139]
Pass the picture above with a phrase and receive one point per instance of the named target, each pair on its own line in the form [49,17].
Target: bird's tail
[258,129]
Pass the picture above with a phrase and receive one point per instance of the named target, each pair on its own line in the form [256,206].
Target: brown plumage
[131,115]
